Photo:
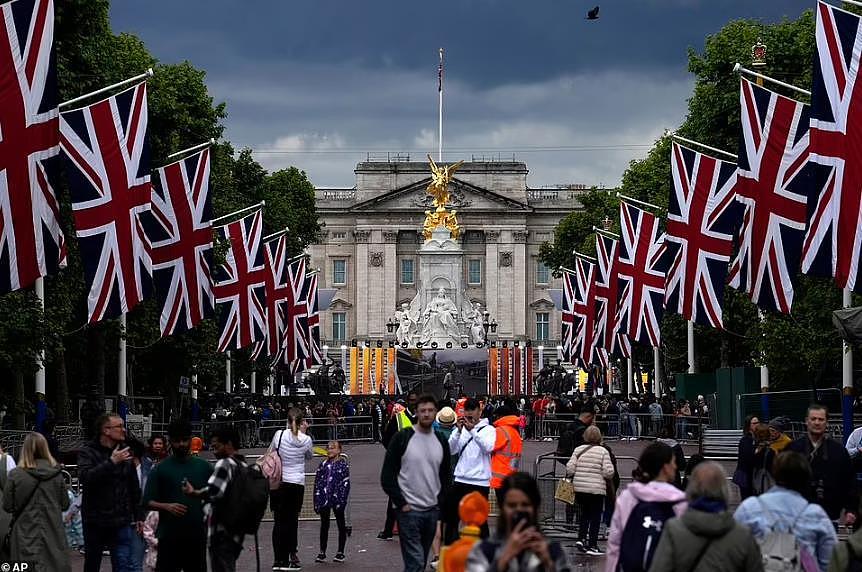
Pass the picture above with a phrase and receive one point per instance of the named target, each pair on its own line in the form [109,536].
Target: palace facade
[372,232]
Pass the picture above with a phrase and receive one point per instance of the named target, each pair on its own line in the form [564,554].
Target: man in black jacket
[571,438]
[111,504]
[415,476]
[833,483]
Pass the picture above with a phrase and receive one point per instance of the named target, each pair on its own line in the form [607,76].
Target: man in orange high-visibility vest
[506,458]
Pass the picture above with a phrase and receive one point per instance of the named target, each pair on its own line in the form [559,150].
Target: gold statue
[439,190]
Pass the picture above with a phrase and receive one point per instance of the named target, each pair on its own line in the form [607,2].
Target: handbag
[270,464]
[565,491]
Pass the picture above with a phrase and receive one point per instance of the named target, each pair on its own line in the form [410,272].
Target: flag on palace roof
[182,239]
[106,147]
[772,182]
[240,284]
[702,218]
[31,239]
[642,275]
[833,240]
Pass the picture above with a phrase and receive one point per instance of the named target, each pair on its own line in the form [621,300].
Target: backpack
[780,549]
[642,533]
[569,441]
[270,464]
[241,508]
[761,478]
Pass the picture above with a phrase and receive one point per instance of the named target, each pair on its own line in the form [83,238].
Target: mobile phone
[518,517]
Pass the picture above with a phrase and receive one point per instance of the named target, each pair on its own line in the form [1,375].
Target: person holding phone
[519,545]
[111,508]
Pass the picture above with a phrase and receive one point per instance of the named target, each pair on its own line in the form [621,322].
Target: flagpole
[638,202]
[440,109]
[121,365]
[190,150]
[253,381]
[682,139]
[40,358]
[690,336]
[656,382]
[131,80]
[564,269]
[741,70]
[847,375]
[629,386]
[259,205]
[275,235]
[227,387]
[584,256]
[606,233]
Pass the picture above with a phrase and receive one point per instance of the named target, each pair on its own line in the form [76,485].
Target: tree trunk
[20,402]
[725,350]
[61,410]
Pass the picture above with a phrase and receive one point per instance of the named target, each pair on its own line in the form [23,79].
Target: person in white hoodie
[294,448]
[652,487]
[473,441]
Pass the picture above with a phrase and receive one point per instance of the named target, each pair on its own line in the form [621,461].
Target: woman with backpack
[331,490]
[642,508]
[35,495]
[590,467]
[783,511]
[294,447]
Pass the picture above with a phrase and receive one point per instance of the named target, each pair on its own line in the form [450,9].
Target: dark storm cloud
[319,83]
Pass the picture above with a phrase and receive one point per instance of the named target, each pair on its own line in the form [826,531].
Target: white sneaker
[595,551]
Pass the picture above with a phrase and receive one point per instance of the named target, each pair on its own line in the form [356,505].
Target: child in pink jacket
[652,483]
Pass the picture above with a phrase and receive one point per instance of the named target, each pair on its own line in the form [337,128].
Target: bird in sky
[593,14]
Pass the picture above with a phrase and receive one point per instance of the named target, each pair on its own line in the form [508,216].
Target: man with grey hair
[706,537]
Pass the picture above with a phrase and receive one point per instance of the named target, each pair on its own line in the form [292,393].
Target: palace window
[339,235]
[339,326]
[474,271]
[407,271]
[542,332]
[339,271]
[542,273]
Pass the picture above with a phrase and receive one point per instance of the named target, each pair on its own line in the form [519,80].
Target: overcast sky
[321,83]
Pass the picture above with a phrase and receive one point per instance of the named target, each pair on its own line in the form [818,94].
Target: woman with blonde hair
[36,496]
[294,448]
[590,467]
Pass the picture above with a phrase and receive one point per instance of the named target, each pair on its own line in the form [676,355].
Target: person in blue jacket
[331,491]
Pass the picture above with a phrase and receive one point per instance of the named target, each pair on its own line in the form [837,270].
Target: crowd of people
[160,506]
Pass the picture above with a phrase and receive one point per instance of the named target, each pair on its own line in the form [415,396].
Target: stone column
[490,278]
[506,307]
[390,278]
[521,282]
[360,276]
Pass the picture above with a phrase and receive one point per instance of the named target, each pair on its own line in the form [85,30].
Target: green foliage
[575,231]
[182,114]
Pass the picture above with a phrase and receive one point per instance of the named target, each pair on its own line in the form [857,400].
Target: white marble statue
[440,320]
[475,319]
[408,321]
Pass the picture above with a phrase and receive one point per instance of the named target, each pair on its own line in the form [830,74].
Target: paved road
[364,551]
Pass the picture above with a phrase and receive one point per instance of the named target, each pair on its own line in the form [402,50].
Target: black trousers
[391,515]
[286,504]
[186,554]
[591,507]
[324,528]
[224,552]
[97,538]
[451,518]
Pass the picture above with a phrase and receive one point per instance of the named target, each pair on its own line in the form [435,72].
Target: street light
[390,325]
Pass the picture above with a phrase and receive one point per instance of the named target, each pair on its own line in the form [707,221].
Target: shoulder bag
[270,464]
[7,541]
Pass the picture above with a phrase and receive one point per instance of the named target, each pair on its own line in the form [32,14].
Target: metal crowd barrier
[626,426]
[322,429]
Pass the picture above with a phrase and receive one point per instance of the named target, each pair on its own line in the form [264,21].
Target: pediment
[542,304]
[464,197]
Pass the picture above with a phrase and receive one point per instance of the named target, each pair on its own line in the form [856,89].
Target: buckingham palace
[372,234]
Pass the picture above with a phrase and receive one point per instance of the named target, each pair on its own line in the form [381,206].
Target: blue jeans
[129,556]
[416,531]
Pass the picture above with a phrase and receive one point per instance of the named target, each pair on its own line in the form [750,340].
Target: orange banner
[517,386]
[390,373]
[365,386]
[378,369]
[492,371]
[529,360]
[505,367]
[354,371]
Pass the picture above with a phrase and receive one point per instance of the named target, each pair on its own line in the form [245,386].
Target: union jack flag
[609,340]
[296,331]
[31,239]
[642,276]
[240,284]
[585,312]
[833,239]
[702,218]
[569,323]
[313,318]
[182,239]
[109,179]
[771,184]
[278,290]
